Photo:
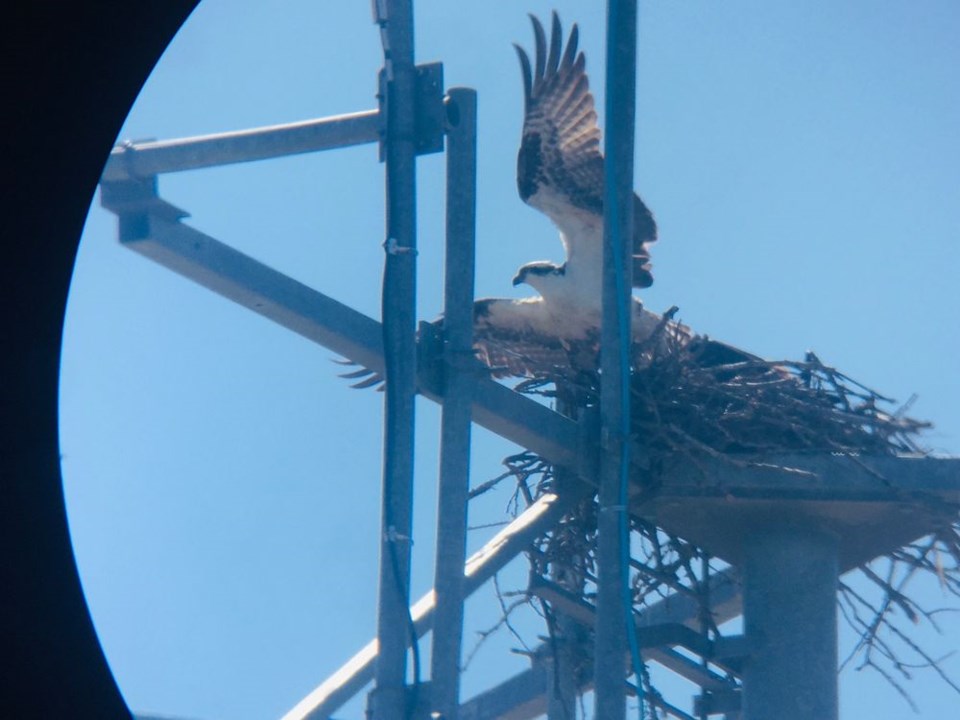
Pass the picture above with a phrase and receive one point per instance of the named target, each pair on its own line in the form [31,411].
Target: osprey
[560,172]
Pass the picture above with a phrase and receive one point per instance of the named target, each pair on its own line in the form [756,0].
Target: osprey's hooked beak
[518,278]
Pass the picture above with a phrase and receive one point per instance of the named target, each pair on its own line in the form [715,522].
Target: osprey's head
[538,275]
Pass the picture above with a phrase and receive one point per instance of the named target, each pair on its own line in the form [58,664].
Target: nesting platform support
[790,576]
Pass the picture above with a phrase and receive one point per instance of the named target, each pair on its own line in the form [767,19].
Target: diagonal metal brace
[152,227]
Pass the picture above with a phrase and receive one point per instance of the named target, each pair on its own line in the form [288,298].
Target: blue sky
[802,161]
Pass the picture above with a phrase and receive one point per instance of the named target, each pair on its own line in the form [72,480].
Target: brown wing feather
[560,161]
[511,347]
[509,339]
[511,354]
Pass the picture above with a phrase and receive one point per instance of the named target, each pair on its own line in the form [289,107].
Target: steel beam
[455,420]
[613,543]
[399,313]
[790,576]
[143,159]
[566,654]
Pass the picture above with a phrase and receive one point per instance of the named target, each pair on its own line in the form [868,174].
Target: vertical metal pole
[399,330]
[561,678]
[461,105]
[790,580]
[611,624]
[566,665]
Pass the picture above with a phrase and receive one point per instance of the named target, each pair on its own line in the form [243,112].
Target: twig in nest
[504,621]
[875,621]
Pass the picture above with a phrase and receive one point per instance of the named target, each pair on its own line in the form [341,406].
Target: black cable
[390,372]
[411,626]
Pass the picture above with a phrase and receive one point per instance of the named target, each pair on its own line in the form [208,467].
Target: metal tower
[787,537]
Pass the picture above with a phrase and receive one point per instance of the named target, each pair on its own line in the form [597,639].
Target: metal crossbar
[130,161]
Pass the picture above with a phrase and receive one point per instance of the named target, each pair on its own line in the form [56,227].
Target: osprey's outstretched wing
[511,338]
[521,338]
[560,166]
[514,338]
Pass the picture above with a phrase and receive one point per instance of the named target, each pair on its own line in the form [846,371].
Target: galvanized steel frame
[438,369]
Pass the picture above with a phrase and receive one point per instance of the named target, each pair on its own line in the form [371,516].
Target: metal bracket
[724,702]
[430,354]
[429,109]
[134,201]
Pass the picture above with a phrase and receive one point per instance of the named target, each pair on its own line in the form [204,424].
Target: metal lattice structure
[831,515]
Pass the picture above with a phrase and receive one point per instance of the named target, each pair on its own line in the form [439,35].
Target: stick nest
[703,397]
[698,398]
